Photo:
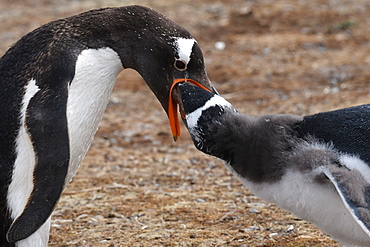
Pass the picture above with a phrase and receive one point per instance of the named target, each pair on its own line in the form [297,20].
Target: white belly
[317,203]
[88,96]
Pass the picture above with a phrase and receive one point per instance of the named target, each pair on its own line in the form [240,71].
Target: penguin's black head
[160,50]
[205,116]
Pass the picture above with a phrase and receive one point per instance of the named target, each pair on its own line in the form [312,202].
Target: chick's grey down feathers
[258,142]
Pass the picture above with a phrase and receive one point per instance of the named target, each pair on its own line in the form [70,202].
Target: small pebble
[201,200]
[290,228]
[253,211]
[220,45]
[266,51]
[251,228]
[271,235]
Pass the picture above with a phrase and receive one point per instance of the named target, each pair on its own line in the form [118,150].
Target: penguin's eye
[180,65]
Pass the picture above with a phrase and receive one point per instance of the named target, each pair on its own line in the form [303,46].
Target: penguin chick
[301,166]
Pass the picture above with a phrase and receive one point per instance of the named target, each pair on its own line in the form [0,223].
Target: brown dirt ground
[136,187]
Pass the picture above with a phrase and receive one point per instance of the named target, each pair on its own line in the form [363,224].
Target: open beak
[173,107]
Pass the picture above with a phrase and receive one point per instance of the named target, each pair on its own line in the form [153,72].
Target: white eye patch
[184,47]
[192,118]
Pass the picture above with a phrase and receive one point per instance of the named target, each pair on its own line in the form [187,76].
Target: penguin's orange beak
[173,106]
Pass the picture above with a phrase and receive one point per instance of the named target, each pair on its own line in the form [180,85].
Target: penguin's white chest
[88,95]
[320,204]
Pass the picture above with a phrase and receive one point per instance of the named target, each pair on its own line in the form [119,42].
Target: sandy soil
[136,187]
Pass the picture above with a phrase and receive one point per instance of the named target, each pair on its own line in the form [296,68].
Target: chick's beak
[174,101]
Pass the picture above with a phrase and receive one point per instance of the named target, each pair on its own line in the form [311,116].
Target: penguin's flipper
[46,122]
[354,190]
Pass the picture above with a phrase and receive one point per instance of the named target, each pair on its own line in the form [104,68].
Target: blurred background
[136,187]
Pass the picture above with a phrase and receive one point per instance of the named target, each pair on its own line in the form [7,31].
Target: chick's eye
[180,65]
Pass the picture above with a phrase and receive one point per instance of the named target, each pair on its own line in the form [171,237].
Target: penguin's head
[183,61]
[205,115]
[161,51]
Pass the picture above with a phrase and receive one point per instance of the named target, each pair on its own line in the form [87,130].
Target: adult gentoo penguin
[316,167]
[55,84]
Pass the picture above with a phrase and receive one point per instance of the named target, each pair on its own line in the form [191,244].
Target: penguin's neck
[224,136]
[88,95]
[250,146]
